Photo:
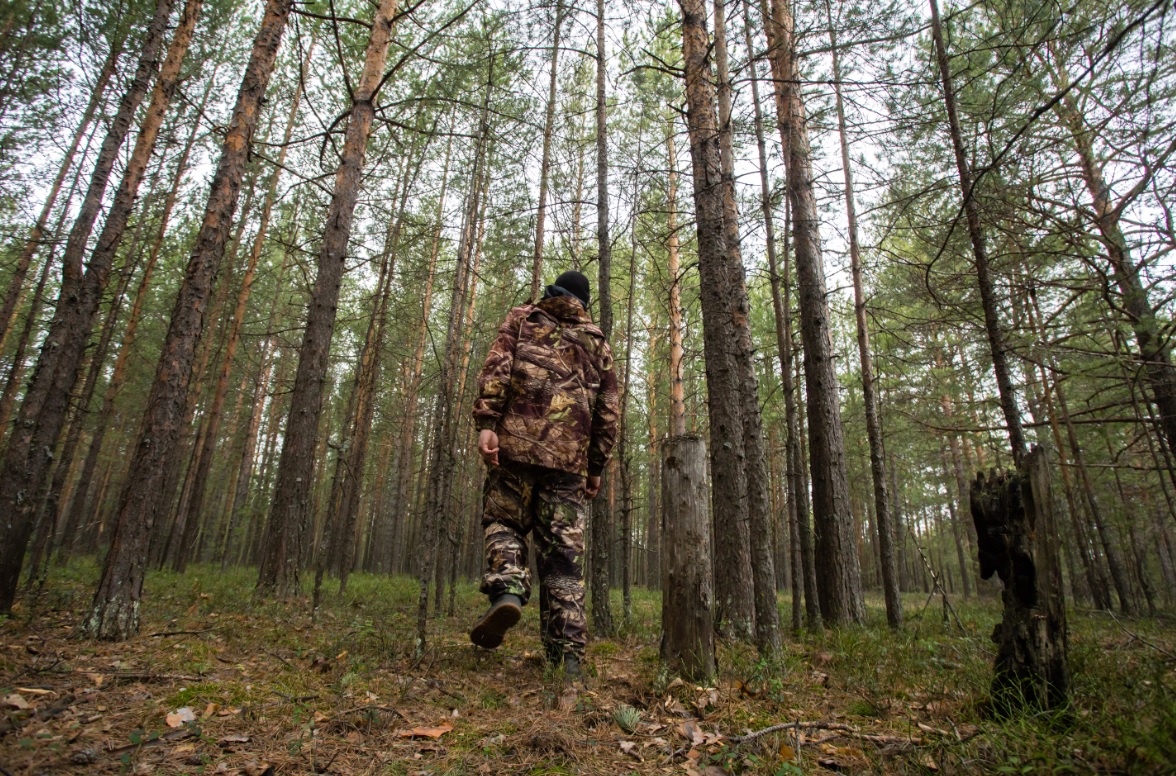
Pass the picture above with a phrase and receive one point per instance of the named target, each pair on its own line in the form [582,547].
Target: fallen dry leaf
[692,733]
[423,732]
[236,738]
[34,691]
[929,763]
[16,700]
[630,748]
[178,717]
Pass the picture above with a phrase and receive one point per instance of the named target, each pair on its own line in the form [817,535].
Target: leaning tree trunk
[191,519]
[602,620]
[838,572]
[886,533]
[42,413]
[279,573]
[735,602]
[996,343]
[84,506]
[1014,517]
[115,611]
[37,233]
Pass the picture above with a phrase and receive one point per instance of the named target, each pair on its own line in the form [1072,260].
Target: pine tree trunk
[601,523]
[399,512]
[42,414]
[280,574]
[545,164]
[734,597]
[996,343]
[84,507]
[688,632]
[369,377]
[652,575]
[677,352]
[885,524]
[37,233]
[443,431]
[115,612]
[838,571]
[14,379]
[192,515]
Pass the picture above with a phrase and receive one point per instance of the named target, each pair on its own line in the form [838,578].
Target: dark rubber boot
[571,667]
[503,614]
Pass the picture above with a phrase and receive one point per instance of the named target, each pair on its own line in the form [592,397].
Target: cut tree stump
[688,633]
[1018,541]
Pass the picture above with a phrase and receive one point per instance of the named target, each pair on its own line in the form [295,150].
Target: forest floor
[219,682]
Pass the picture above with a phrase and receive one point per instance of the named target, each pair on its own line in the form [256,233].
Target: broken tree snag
[688,633]
[1014,518]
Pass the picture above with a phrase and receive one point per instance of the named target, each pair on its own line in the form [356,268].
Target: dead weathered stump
[688,634]
[1018,541]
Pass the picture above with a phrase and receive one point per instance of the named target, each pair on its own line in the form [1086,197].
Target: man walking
[547,420]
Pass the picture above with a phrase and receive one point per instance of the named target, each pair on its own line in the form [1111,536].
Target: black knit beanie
[576,284]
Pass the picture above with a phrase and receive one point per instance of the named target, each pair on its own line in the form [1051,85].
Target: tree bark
[838,570]
[545,164]
[1014,520]
[763,573]
[688,633]
[42,414]
[280,573]
[677,352]
[115,612]
[735,601]
[601,523]
[886,535]
[996,343]
[193,511]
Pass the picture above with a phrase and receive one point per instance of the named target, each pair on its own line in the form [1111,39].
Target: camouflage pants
[549,505]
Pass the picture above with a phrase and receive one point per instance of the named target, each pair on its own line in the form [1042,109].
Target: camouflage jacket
[548,389]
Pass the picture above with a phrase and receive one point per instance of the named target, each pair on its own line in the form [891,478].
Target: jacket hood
[564,308]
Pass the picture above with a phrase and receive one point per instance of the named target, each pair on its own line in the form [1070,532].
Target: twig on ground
[179,633]
[279,657]
[294,698]
[172,735]
[141,676]
[1139,638]
[838,727]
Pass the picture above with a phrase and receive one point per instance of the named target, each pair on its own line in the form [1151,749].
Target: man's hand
[592,487]
[488,446]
